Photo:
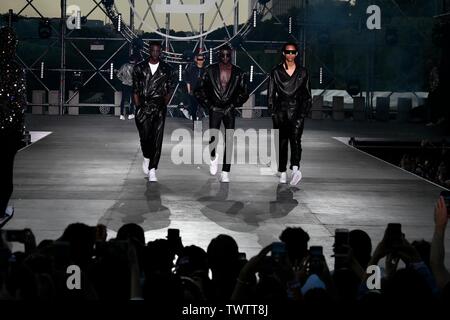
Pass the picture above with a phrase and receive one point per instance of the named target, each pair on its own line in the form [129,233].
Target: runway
[89,170]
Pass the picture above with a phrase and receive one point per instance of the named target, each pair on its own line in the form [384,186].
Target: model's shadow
[244,216]
[143,207]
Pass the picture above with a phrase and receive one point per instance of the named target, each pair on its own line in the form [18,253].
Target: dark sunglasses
[290,51]
[200,58]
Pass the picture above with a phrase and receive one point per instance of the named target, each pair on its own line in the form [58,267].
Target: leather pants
[215,120]
[151,132]
[290,131]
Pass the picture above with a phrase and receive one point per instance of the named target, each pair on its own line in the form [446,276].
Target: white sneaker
[9,212]
[186,113]
[152,175]
[145,165]
[296,177]
[122,117]
[283,177]
[213,165]
[131,117]
[224,177]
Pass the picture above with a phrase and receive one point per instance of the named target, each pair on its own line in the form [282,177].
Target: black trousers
[290,132]
[151,132]
[215,120]
[9,145]
[126,97]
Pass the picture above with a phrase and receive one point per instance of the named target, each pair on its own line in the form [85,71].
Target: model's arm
[271,93]
[437,253]
[136,88]
[242,95]
[306,97]
[201,93]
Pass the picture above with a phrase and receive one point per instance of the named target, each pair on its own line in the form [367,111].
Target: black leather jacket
[209,94]
[154,91]
[289,93]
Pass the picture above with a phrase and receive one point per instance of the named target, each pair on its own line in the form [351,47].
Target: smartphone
[341,248]
[394,235]
[15,236]
[341,240]
[278,250]
[315,259]
[446,196]
[173,234]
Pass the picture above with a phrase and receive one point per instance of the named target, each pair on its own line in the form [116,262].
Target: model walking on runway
[152,89]
[289,102]
[222,89]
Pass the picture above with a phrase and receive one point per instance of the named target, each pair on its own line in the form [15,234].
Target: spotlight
[254,18]
[180,73]
[210,56]
[42,69]
[290,25]
[44,29]
[251,73]
[119,22]
[78,21]
[111,71]
[321,75]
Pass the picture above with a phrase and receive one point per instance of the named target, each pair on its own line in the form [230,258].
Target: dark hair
[296,240]
[361,245]
[225,47]
[155,43]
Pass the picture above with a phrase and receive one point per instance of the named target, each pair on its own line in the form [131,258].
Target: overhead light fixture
[42,69]
[111,71]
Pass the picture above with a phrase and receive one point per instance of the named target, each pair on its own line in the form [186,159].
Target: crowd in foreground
[166,270]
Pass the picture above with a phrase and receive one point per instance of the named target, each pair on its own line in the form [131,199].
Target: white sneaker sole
[296,179]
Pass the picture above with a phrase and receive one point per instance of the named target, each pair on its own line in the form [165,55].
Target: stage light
[180,73]
[42,69]
[210,56]
[78,21]
[321,75]
[44,29]
[111,71]
[254,18]
[119,22]
[290,25]
[251,73]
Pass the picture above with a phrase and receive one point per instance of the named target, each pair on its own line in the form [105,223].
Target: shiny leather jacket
[153,90]
[209,94]
[289,93]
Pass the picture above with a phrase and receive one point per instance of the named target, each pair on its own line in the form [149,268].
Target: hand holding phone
[441,214]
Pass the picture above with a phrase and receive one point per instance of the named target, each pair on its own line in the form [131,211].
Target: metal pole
[131,27]
[305,5]
[62,84]
[167,28]
[235,27]
[201,28]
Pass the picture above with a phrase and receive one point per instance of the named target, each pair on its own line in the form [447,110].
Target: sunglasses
[200,58]
[290,51]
